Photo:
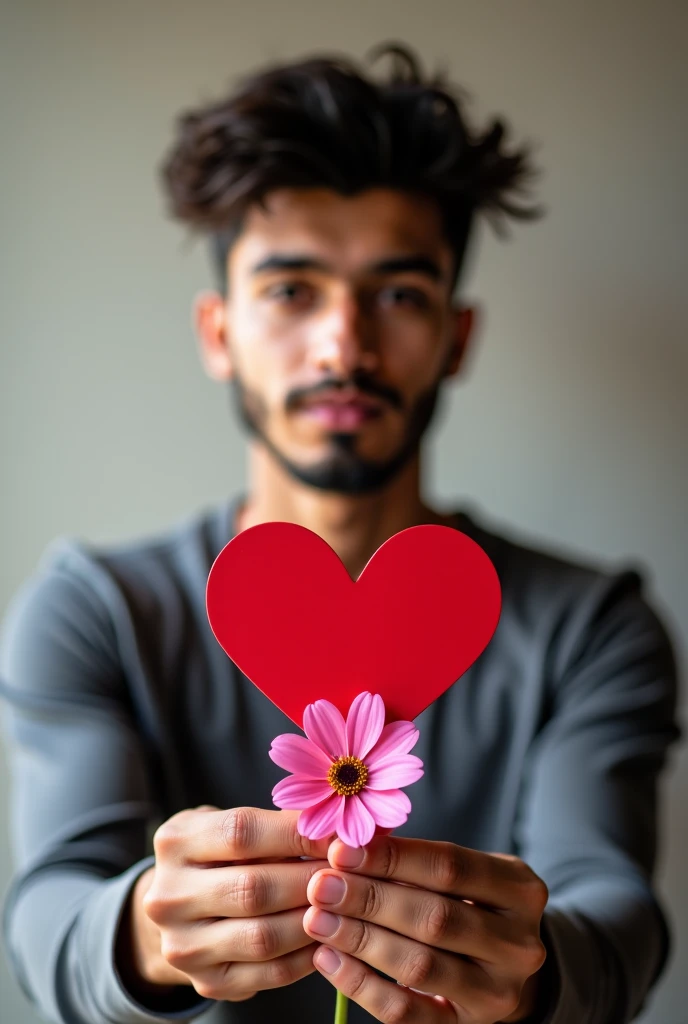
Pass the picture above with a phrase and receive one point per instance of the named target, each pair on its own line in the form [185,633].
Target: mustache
[360,381]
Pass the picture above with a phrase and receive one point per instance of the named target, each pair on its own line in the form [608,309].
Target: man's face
[337,330]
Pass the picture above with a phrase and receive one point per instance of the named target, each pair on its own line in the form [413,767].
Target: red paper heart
[286,611]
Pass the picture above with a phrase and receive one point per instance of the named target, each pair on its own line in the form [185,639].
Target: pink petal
[299,755]
[396,738]
[320,821]
[364,723]
[389,807]
[357,825]
[324,725]
[295,792]
[395,771]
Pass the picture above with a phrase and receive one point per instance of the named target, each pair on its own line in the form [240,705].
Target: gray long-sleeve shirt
[120,709]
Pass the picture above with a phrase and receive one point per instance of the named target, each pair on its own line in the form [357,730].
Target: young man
[340,209]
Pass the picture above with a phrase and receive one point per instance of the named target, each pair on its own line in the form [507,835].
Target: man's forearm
[600,966]
[62,928]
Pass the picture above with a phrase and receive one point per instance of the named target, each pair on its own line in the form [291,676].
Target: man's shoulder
[101,579]
[186,548]
[521,558]
[90,606]
[550,590]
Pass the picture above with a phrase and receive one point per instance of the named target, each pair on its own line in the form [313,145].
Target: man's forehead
[345,231]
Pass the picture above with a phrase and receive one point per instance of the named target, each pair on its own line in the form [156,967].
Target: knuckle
[418,967]
[229,981]
[449,868]
[389,858]
[248,893]
[372,900]
[397,1008]
[161,907]
[210,987]
[241,997]
[303,847]
[360,939]
[238,831]
[235,983]
[167,836]
[260,939]
[438,919]
[357,983]
[534,888]
[534,955]
[174,950]
[280,973]
[155,907]
[505,999]
[539,893]
[167,947]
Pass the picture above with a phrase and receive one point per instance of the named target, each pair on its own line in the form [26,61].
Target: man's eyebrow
[417,264]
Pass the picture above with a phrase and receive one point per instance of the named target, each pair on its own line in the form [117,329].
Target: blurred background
[571,425]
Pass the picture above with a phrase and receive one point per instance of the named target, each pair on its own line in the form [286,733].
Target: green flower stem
[341,1009]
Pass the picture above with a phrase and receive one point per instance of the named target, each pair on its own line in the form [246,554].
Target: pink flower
[346,775]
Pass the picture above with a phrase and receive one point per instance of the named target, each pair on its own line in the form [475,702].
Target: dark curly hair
[320,123]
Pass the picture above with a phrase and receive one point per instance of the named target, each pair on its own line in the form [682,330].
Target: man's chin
[346,465]
[344,471]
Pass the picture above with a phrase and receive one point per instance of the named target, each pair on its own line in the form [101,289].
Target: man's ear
[210,322]
[464,319]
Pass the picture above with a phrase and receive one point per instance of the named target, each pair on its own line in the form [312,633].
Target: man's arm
[587,829]
[588,824]
[80,804]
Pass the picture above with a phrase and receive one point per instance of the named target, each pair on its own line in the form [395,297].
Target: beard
[343,470]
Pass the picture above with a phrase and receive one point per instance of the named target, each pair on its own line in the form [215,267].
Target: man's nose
[343,341]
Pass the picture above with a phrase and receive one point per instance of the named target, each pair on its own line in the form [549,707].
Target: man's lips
[345,409]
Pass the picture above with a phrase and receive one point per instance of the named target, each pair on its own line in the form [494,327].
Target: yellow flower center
[347,776]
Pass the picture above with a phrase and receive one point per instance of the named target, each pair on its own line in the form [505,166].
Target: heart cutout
[285,610]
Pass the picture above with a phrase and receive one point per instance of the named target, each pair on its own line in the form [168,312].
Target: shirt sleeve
[81,800]
[588,822]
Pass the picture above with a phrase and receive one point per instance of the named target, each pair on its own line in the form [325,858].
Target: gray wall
[572,423]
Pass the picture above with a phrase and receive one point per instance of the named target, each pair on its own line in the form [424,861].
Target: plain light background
[570,425]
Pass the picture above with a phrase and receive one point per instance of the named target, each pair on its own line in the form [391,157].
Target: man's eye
[405,295]
[289,292]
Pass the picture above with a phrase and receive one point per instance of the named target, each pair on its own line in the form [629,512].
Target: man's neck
[354,526]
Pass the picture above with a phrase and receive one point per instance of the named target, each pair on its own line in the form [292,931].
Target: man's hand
[461,935]
[222,909]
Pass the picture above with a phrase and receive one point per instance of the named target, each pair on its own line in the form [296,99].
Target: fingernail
[349,857]
[323,923]
[327,960]
[330,889]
